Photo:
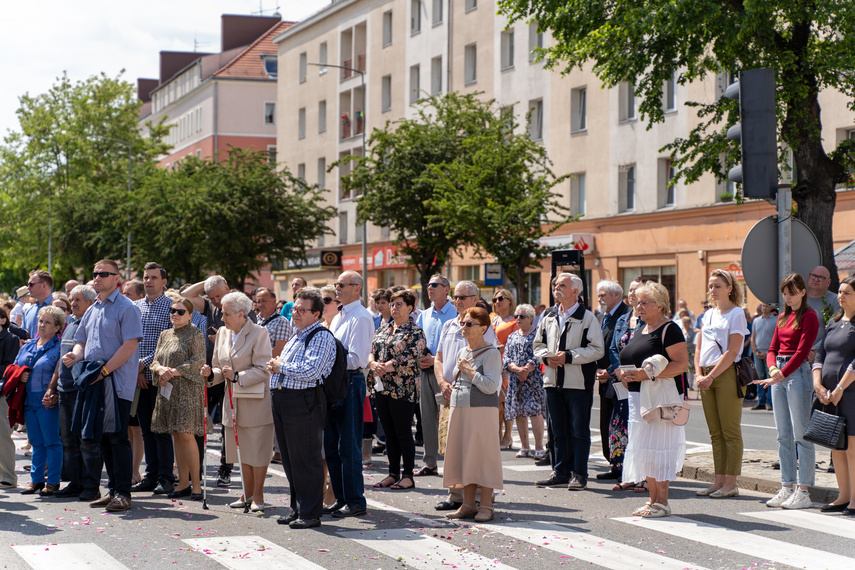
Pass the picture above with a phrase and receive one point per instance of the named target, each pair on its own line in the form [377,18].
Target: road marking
[250,552]
[750,544]
[761,427]
[420,551]
[53,556]
[587,547]
[526,468]
[838,526]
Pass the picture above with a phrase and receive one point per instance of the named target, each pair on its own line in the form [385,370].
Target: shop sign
[331,259]
[734,268]
[313,261]
[354,263]
[387,257]
[582,242]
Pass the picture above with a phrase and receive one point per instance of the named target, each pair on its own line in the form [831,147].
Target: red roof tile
[249,63]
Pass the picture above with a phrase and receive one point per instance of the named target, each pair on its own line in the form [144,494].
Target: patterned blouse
[404,346]
[519,350]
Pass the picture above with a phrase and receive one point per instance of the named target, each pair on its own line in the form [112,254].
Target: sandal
[485,514]
[623,486]
[425,471]
[464,512]
[655,511]
[641,487]
[642,509]
[397,486]
[382,484]
[524,453]
[538,453]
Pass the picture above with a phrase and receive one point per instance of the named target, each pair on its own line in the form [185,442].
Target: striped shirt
[303,366]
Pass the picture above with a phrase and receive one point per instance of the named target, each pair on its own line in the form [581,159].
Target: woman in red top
[791,393]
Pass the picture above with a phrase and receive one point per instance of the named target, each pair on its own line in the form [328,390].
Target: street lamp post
[364,128]
[130,173]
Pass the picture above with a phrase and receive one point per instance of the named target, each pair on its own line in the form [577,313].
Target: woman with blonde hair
[717,347]
[330,304]
[504,323]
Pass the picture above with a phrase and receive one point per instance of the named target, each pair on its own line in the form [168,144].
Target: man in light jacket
[569,341]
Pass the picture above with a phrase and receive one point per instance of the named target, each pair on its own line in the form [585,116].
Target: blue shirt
[431,322]
[155,319]
[104,328]
[31,316]
[65,383]
[303,366]
[286,310]
[41,370]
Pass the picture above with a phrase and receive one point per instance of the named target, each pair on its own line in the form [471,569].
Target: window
[270,113]
[322,116]
[301,123]
[627,189]
[322,240]
[322,172]
[437,12]
[535,41]
[301,171]
[666,275]
[199,153]
[669,94]
[627,101]
[667,189]
[470,272]
[578,109]
[535,127]
[271,154]
[470,64]
[386,93]
[507,41]
[415,16]
[199,119]
[303,65]
[415,90]
[342,227]
[387,28]
[577,193]
[271,65]
[322,58]
[470,5]
[436,75]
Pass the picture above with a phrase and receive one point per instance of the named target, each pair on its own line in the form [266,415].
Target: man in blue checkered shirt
[299,407]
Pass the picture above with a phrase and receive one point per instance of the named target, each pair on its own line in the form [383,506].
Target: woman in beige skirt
[241,352]
[472,456]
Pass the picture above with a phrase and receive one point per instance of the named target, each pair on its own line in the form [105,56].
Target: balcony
[346,73]
[360,62]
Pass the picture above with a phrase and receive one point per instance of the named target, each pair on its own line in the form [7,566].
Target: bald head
[818,281]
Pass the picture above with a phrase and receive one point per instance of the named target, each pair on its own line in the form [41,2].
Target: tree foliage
[809,44]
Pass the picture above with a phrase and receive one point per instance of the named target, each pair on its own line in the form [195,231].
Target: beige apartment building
[634,222]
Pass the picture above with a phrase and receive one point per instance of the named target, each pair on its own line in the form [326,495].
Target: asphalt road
[533,529]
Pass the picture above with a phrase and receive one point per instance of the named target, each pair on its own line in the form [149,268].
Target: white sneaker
[800,499]
[241,503]
[783,495]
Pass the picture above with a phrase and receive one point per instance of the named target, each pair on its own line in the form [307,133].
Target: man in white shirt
[354,327]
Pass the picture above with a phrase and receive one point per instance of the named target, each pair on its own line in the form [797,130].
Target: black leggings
[397,419]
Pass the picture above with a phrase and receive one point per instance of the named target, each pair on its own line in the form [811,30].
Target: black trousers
[397,418]
[606,407]
[298,418]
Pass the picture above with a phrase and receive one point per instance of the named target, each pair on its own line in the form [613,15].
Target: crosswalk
[419,543]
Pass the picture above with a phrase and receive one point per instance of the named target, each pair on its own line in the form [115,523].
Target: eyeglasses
[102,274]
[521,317]
[498,299]
[327,301]
[460,297]
[300,310]
[180,312]
[817,277]
[644,303]
[435,285]
[343,285]
[397,305]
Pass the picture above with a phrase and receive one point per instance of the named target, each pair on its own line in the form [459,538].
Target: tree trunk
[521,282]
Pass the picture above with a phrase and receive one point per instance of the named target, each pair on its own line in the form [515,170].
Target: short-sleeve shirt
[825,307]
[431,322]
[452,341]
[278,328]
[104,328]
[644,345]
[718,328]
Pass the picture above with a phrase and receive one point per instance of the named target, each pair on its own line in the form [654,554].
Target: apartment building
[634,222]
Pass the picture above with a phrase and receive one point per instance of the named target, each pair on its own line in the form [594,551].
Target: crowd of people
[104,375]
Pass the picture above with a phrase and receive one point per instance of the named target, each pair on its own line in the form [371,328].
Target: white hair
[527,309]
[575,282]
[213,282]
[237,302]
[88,293]
[611,287]
[469,287]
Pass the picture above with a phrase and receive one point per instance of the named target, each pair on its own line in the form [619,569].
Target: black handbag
[745,372]
[827,430]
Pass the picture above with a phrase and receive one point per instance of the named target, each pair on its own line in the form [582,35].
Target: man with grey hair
[612,307]
[215,288]
[450,342]
[133,289]
[62,391]
[569,341]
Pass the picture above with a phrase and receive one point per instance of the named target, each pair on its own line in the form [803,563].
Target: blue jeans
[72,460]
[43,433]
[763,396]
[791,401]
[343,444]
[570,418]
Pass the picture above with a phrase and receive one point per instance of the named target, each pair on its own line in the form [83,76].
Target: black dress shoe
[287,520]
[305,523]
[88,496]
[185,492]
[848,511]
[834,508]
[68,491]
[164,488]
[338,505]
[613,474]
[196,496]
[144,486]
[348,511]
[448,505]
[546,460]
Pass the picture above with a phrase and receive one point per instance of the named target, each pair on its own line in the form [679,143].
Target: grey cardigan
[483,390]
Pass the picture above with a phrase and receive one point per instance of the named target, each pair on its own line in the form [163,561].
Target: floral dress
[618,424]
[404,345]
[527,398]
[184,412]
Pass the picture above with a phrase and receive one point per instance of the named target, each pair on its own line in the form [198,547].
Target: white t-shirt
[718,327]
[18,311]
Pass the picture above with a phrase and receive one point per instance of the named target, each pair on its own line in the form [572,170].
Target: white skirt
[653,450]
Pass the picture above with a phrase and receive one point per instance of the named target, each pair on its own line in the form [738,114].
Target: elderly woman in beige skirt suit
[241,352]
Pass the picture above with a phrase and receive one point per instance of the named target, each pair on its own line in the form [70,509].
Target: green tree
[810,45]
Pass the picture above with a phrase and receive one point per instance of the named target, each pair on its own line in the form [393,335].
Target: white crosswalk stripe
[808,520]
[747,543]
[53,556]
[249,553]
[418,550]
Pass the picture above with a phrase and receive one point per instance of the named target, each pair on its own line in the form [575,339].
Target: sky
[87,37]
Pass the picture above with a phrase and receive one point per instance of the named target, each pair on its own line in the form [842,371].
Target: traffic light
[756,132]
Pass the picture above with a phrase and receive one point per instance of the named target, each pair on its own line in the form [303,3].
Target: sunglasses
[435,285]
[520,317]
[181,312]
[461,297]
[102,274]
[498,299]
[33,283]
[343,285]
[468,324]
[327,300]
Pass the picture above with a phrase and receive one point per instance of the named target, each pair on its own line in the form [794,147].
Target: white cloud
[38,41]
